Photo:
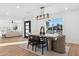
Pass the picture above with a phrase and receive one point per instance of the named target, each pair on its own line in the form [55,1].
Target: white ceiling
[31,9]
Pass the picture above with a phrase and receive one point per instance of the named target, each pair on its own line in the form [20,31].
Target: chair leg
[47,47]
[28,45]
[35,48]
[32,47]
[42,50]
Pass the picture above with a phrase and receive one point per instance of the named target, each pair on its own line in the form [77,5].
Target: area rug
[14,50]
[46,53]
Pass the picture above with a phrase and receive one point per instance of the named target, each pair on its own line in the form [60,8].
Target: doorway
[27,28]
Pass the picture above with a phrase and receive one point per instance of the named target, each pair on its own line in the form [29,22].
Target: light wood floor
[12,39]
[15,50]
[74,50]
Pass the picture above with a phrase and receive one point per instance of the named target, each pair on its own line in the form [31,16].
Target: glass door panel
[27,28]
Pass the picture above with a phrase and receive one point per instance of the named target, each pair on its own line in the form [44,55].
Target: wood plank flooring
[15,50]
[74,50]
[13,39]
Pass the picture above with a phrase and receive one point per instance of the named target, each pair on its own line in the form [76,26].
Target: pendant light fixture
[43,15]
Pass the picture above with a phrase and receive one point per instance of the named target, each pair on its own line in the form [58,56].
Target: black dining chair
[34,41]
[43,43]
[38,42]
[29,40]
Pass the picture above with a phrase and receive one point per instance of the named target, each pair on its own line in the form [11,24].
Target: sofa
[12,34]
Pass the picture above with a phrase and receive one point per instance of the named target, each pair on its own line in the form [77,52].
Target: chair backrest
[34,38]
[44,39]
[42,30]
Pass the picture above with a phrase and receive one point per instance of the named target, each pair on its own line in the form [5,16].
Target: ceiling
[33,9]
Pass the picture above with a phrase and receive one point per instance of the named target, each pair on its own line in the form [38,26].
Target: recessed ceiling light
[66,8]
[17,6]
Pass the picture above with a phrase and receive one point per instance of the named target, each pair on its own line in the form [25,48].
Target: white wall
[36,24]
[5,24]
[40,23]
[70,26]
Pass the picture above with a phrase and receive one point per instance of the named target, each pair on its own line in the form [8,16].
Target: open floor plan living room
[39,29]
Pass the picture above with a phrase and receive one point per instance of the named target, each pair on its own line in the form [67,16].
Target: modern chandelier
[43,15]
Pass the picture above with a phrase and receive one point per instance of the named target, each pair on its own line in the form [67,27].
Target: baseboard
[72,44]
